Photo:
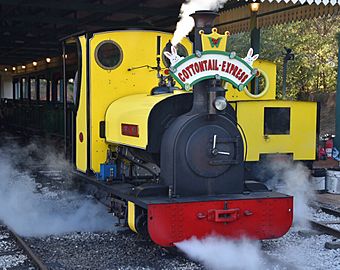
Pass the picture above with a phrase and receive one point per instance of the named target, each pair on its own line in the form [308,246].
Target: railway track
[15,253]
[331,227]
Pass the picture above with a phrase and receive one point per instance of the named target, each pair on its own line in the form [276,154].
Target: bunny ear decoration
[255,57]
[173,50]
[250,52]
[167,54]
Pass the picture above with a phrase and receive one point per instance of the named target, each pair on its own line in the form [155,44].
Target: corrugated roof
[310,2]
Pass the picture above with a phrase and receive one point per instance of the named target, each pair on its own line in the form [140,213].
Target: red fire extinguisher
[322,153]
[329,148]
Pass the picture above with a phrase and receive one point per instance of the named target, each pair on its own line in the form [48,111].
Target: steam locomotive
[174,160]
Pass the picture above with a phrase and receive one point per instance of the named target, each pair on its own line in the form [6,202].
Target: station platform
[326,164]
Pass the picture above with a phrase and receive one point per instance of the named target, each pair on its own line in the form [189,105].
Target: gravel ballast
[72,231]
[110,250]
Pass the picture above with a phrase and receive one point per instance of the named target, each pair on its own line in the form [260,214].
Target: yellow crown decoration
[214,41]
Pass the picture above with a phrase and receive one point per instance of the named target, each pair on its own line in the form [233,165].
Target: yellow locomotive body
[122,95]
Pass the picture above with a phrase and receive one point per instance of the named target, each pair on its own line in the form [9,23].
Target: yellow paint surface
[301,142]
[131,216]
[133,110]
[81,147]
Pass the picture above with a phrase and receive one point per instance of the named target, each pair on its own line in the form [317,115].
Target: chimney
[202,102]
[204,20]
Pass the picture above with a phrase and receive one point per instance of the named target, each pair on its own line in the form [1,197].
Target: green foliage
[315,46]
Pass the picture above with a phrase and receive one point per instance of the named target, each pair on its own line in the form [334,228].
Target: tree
[313,42]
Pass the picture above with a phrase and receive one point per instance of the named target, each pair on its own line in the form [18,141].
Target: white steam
[293,178]
[33,212]
[219,253]
[186,23]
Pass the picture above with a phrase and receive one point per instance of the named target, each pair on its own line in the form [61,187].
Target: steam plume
[186,23]
[293,178]
[218,253]
[33,211]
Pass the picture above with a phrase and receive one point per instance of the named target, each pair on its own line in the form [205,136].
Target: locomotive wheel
[142,225]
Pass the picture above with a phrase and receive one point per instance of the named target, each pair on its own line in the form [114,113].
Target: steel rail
[330,211]
[322,227]
[35,260]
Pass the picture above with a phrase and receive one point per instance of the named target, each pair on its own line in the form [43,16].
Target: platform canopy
[30,29]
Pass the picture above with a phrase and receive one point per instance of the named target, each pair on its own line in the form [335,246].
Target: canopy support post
[65,98]
[337,110]
[255,41]
[255,33]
